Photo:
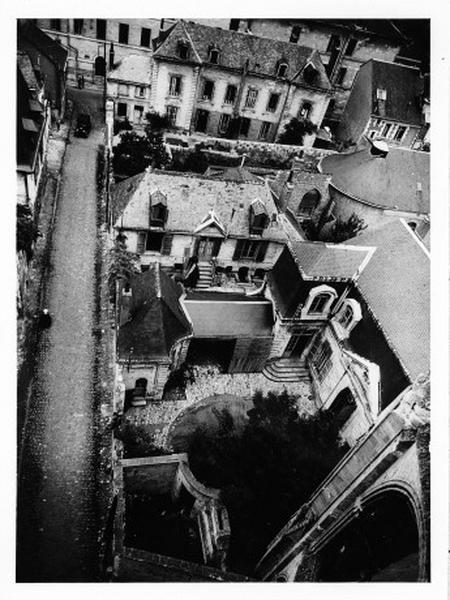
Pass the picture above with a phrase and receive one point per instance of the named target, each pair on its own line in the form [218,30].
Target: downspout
[191,121]
[277,130]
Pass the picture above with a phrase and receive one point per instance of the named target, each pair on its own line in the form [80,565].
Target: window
[252,95]
[386,129]
[154,240]
[372,134]
[331,106]
[400,133]
[342,407]
[305,110]
[55,24]
[183,50]
[250,250]
[78,26]
[234,24]
[139,91]
[146,35]
[346,316]
[282,68]
[138,113]
[273,102]
[124,29]
[123,89]
[171,113]
[310,74]
[341,75]
[202,120]
[309,202]
[244,126]
[350,47]
[208,89]
[213,56]
[319,304]
[101,29]
[224,123]
[99,66]
[333,43]
[381,94]
[321,360]
[295,34]
[158,214]
[230,94]
[175,85]
[264,131]
[121,109]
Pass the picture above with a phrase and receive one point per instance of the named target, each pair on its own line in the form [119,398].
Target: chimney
[111,56]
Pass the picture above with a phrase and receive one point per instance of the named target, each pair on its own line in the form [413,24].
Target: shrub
[295,131]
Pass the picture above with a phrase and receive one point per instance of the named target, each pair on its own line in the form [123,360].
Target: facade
[381,184]
[387,102]
[229,84]
[128,85]
[172,217]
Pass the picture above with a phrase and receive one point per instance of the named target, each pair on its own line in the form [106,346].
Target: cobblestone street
[57,507]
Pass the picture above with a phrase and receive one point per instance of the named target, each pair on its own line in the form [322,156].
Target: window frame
[183,50]
[178,85]
[224,117]
[146,29]
[124,33]
[272,95]
[225,100]
[308,106]
[296,30]
[204,96]
[172,114]
[251,97]
[247,122]
[264,130]
[100,23]
[400,127]
[139,91]
[210,55]
[119,105]
[322,359]
[282,65]
[78,26]
[250,249]
[341,74]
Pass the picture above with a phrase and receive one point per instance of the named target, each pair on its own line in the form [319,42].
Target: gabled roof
[134,67]
[231,173]
[399,181]
[395,283]
[190,197]
[262,55]
[28,31]
[156,319]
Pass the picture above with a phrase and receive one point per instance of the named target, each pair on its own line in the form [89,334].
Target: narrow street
[57,532]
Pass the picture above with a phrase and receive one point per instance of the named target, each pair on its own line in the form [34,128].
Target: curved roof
[400,181]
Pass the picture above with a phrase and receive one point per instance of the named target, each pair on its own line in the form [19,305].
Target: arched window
[213,56]
[319,302]
[158,209]
[342,407]
[310,74]
[349,315]
[346,316]
[282,68]
[259,219]
[309,202]
[99,66]
[183,50]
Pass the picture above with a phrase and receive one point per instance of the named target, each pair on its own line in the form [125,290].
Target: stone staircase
[286,370]
[205,279]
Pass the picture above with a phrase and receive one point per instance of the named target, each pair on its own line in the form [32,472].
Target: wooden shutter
[141,241]
[238,249]
[166,245]
[261,251]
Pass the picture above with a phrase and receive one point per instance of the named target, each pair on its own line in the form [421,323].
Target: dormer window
[310,74]
[348,315]
[319,302]
[158,209]
[213,56]
[309,203]
[282,68]
[305,110]
[259,219]
[183,50]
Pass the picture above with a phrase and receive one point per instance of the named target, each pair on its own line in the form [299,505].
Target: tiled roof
[156,318]
[231,174]
[302,182]
[49,47]
[331,261]
[229,316]
[396,285]
[403,86]
[236,48]
[400,181]
[190,197]
[134,68]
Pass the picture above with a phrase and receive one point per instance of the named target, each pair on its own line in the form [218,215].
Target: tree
[134,153]
[295,131]
[266,470]
[342,230]
[26,230]
[122,264]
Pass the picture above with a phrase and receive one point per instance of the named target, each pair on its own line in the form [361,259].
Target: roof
[399,181]
[156,319]
[28,31]
[27,70]
[396,286]
[229,315]
[329,261]
[190,200]
[134,68]
[302,182]
[384,28]
[231,174]
[29,123]
[238,49]
[404,87]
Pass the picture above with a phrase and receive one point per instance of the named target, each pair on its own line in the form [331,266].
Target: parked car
[84,126]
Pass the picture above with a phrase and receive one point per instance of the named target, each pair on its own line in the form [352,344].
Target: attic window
[309,202]
[158,209]
[295,34]
[259,219]
[319,301]
[381,94]
[282,68]
[349,315]
[310,74]
[183,50]
[213,56]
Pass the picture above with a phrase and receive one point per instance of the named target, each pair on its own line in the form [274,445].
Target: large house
[388,101]
[230,84]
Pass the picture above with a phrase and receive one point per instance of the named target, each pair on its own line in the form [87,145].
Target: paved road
[57,515]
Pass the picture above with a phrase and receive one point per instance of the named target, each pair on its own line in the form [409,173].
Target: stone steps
[286,370]
[205,279]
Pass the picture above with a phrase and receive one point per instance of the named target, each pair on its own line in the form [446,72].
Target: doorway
[202,120]
[207,248]
[298,343]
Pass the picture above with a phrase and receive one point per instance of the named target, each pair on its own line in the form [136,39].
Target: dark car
[83,127]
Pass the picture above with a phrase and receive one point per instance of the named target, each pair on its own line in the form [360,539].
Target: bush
[122,264]
[295,131]
[135,153]
[344,230]
[26,230]
[138,441]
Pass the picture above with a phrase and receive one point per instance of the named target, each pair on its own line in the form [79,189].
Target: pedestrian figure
[80,82]
[58,124]
[44,319]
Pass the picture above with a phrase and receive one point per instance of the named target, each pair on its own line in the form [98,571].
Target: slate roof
[330,261]
[52,49]
[231,174]
[134,67]
[156,318]
[229,315]
[390,182]
[302,182]
[396,286]
[262,54]
[404,87]
[190,197]
[27,140]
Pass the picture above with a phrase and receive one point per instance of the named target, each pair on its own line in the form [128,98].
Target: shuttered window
[141,242]
[166,245]
[250,250]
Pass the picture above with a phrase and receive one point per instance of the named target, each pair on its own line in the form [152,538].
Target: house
[171,217]
[128,85]
[386,102]
[381,183]
[49,60]
[95,44]
[229,84]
